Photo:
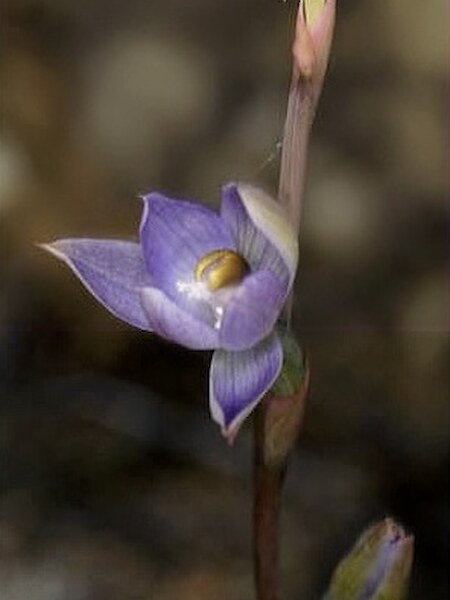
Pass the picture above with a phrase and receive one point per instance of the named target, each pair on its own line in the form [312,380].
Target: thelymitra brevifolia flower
[204,280]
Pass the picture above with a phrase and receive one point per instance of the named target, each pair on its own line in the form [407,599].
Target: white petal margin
[175,324]
[270,218]
[112,270]
[238,381]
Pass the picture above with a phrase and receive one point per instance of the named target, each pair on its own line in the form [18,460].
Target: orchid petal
[252,311]
[238,381]
[175,235]
[261,229]
[113,271]
[172,322]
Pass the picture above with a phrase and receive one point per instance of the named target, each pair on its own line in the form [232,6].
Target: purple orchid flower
[205,281]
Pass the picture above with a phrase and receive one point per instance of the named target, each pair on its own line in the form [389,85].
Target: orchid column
[279,416]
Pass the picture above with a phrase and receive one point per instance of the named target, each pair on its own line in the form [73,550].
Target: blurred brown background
[114,483]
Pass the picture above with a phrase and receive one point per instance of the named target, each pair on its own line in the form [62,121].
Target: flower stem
[310,57]
[278,418]
[268,483]
[299,118]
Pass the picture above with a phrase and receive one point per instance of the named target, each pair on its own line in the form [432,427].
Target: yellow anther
[220,268]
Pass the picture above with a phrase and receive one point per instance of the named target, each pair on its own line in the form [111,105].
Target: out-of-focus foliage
[114,483]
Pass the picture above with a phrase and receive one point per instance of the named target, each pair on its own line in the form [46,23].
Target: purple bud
[378,567]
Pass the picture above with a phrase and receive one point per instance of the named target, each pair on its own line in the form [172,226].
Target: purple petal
[262,233]
[113,271]
[175,234]
[252,311]
[175,324]
[238,380]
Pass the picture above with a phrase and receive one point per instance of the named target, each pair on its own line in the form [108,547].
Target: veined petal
[238,380]
[175,234]
[172,322]
[262,232]
[252,311]
[113,271]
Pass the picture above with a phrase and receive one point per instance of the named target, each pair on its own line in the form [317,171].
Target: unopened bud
[377,568]
[314,32]
[311,10]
